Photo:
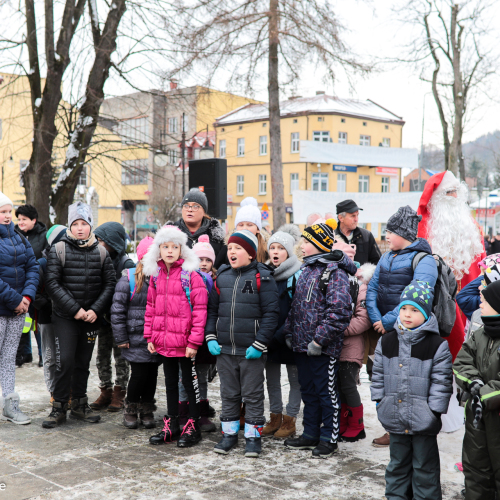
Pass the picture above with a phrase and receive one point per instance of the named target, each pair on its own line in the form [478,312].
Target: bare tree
[237,37]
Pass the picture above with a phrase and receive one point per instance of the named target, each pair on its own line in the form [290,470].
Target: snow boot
[147,416]
[301,443]
[355,427]
[183,412]
[206,424]
[273,425]
[117,399]
[80,410]
[324,450]
[211,410]
[57,416]
[253,433]
[102,402]
[229,437]
[287,428]
[170,432]
[344,413]
[11,411]
[130,411]
[191,434]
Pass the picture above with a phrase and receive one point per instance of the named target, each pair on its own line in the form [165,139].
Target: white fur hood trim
[150,260]
[366,271]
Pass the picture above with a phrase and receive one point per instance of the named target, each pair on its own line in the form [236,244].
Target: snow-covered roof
[322,103]
[492,201]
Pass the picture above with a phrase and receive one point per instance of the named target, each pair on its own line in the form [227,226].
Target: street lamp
[207,151]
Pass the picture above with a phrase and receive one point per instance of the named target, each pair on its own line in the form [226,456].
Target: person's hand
[475,387]
[151,348]
[81,314]
[190,353]
[288,342]
[26,302]
[253,353]
[313,349]
[124,346]
[379,327]
[21,308]
[91,316]
[213,347]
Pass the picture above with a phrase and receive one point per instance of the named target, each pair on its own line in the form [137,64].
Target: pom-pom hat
[246,240]
[321,235]
[249,212]
[204,249]
[143,247]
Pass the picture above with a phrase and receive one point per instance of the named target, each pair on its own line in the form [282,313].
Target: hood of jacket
[208,226]
[417,334]
[113,234]
[287,268]
[365,273]
[335,258]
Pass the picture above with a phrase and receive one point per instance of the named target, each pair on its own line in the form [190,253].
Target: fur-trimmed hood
[164,235]
[365,272]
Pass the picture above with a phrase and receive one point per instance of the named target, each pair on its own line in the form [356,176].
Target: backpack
[131,281]
[445,290]
[291,283]
[353,286]
[60,247]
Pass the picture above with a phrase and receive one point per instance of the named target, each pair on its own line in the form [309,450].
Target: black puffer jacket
[36,237]
[82,283]
[367,249]
[127,320]
[239,315]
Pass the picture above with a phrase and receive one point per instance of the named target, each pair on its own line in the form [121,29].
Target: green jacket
[479,359]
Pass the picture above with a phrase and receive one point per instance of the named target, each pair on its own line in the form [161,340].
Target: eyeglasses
[193,208]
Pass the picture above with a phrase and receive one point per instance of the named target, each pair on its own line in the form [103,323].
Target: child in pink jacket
[176,314]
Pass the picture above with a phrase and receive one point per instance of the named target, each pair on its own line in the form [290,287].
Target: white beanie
[249,212]
[5,200]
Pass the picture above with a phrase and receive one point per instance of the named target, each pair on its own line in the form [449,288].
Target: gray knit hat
[80,210]
[284,239]
[404,223]
[196,196]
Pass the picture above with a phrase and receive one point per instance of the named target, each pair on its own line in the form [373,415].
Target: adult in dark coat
[495,245]
[367,249]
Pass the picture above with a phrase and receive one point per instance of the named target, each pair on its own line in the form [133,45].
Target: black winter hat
[196,196]
[322,236]
[348,206]
[492,295]
[404,223]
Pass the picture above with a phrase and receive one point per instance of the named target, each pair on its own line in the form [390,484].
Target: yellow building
[243,139]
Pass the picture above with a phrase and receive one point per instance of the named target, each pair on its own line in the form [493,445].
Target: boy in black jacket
[242,317]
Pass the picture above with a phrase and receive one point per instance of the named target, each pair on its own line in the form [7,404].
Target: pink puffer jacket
[169,323]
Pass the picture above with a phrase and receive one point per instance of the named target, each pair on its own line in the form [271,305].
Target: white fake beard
[453,234]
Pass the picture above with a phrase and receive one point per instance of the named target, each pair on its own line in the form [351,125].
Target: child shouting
[242,318]
[412,385]
[174,326]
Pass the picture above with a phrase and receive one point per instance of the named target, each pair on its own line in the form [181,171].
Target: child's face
[278,254]
[411,317]
[237,255]
[206,265]
[80,229]
[6,214]
[486,309]
[395,241]
[249,226]
[170,252]
[308,248]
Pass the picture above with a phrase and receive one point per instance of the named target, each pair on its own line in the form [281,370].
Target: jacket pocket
[422,418]
[386,413]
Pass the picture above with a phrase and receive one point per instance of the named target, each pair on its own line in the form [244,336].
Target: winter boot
[253,433]
[344,413]
[206,424]
[147,415]
[301,443]
[130,411]
[242,416]
[40,362]
[28,358]
[19,359]
[191,434]
[355,427]
[183,412]
[325,450]
[211,410]
[383,441]
[11,411]
[80,410]
[229,437]
[57,416]
[117,399]
[273,425]
[170,432]
[102,402]
[287,428]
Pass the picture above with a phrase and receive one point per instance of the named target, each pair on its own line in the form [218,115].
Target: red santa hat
[442,182]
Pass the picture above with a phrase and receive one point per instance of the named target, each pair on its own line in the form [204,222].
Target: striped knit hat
[322,235]
[55,233]
[247,240]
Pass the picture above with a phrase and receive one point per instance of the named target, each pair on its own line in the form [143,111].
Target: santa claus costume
[454,235]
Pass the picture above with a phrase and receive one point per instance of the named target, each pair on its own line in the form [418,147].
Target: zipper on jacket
[309,292]
[15,257]
[166,315]
[487,352]
[231,326]
[87,274]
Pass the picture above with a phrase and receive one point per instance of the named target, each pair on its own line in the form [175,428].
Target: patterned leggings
[11,328]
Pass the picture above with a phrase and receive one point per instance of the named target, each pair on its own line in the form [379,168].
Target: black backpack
[353,286]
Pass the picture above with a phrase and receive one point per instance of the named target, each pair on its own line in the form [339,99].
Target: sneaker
[57,416]
[383,441]
[11,411]
[80,410]
[191,434]
[253,447]
[226,444]
[301,443]
[325,450]
[170,432]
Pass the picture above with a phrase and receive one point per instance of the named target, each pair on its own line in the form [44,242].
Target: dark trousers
[414,471]
[74,341]
[189,380]
[142,383]
[319,390]
[348,384]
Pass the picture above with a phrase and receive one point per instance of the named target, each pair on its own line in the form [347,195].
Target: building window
[295,120]
[172,156]
[364,140]
[342,137]
[321,136]
[341,183]
[386,142]
[342,120]
[222,148]
[135,172]
[263,145]
[241,147]
[364,124]
[385,184]
[387,127]
[294,182]
[320,182]
[134,130]
[295,142]
[264,124]
[383,228]
[82,180]
[321,119]
[364,184]
[262,184]
[173,127]
[240,185]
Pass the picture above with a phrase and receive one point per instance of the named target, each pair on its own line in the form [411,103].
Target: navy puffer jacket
[18,270]
[393,274]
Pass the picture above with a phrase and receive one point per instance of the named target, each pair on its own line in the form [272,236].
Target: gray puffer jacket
[412,379]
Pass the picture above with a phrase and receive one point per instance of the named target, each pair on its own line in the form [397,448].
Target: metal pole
[135,229]
[421,149]
[183,152]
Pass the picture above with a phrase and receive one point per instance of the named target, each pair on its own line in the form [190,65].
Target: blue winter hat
[420,295]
